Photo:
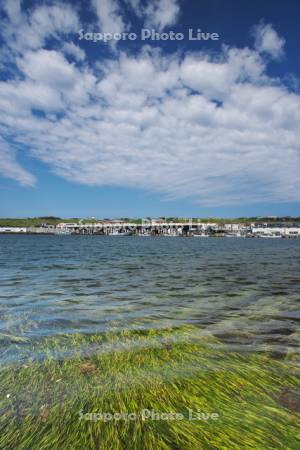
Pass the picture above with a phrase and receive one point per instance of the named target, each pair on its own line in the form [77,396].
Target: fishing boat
[272,236]
[119,233]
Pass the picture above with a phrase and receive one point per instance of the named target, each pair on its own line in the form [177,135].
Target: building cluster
[160,227]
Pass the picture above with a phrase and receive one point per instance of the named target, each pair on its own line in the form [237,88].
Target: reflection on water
[245,292]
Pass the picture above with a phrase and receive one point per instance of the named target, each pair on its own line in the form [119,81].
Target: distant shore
[54,220]
[162,227]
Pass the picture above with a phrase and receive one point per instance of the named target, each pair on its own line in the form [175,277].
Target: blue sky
[149,127]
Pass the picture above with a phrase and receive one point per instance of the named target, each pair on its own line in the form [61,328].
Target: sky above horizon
[138,127]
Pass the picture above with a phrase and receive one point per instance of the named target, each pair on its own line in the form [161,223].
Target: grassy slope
[37,221]
[31,222]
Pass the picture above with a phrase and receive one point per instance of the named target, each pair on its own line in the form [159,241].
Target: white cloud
[52,73]
[73,50]
[17,98]
[13,10]
[268,41]
[47,66]
[23,30]
[109,16]
[10,168]
[157,14]
[215,129]
[161,13]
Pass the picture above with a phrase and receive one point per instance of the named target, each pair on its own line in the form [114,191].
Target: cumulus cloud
[10,168]
[69,48]
[268,41]
[162,13]
[157,14]
[212,128]
[13,10]
[30,30]
[109,16]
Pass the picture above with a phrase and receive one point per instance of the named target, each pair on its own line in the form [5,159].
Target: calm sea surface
[245,291]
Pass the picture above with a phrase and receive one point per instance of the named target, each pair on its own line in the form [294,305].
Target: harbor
[164,228]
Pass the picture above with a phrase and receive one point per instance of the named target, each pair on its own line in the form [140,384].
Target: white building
[13,229]
[67,225]
[276,231]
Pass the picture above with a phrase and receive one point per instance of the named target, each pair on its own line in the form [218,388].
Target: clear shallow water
[244,291]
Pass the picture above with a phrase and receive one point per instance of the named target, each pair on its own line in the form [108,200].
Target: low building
[41,230]
[66,225]
[13,229]
[267,231]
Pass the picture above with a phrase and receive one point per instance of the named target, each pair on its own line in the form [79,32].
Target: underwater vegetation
[212,397]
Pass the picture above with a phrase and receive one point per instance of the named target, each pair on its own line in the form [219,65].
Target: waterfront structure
[49,229]
[189,229]
[13,230]
[66,225]
[267,231]
[159,227]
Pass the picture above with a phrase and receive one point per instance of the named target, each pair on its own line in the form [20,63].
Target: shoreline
[161,235]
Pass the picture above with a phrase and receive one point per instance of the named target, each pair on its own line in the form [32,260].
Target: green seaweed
[48,403]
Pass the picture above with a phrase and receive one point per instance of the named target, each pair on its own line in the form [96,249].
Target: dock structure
[187,229]
[151,228]
[130,228]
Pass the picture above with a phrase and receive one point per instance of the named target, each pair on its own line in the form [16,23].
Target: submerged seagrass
[95,324]
[47,403]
